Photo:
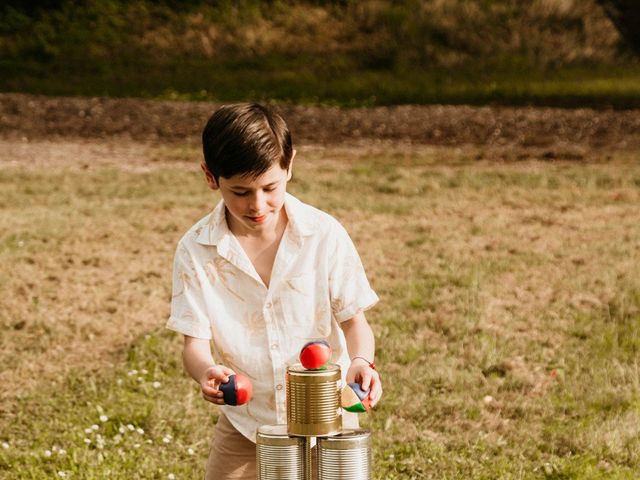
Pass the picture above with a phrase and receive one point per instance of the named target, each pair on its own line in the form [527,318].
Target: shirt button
[279,386]
[268,305]
[274,346]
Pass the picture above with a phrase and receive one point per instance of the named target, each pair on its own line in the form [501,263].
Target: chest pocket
[306,306]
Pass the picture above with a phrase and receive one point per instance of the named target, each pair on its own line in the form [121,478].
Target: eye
[269,189]
[240,194]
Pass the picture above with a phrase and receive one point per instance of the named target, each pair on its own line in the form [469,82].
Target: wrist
[364,361]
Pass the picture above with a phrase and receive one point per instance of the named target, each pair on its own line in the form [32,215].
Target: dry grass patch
[507,331]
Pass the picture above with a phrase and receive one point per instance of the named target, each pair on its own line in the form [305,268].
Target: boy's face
[253,204]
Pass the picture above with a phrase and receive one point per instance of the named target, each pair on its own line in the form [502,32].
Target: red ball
[315,354]
[237,391]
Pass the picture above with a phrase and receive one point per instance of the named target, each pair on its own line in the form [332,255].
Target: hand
[360,372]
[211,380]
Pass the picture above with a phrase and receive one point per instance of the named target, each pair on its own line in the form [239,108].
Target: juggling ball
[355,399]
[237,391]
[315,355]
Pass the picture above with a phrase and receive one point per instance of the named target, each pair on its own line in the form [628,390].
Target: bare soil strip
[38,117]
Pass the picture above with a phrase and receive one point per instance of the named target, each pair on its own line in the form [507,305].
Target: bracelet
[371,364]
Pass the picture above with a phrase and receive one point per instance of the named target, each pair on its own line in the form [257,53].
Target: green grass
[569,86]
[506,334]
[134,421]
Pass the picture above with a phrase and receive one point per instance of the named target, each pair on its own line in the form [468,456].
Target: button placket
[276,356]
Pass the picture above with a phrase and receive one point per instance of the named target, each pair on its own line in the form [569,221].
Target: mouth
[258,219]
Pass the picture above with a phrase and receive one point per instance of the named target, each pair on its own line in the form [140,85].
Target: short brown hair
[245,139]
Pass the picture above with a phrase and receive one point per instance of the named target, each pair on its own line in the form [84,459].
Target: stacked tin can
[313,415]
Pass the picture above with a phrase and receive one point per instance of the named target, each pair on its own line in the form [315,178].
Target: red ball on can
[315,354]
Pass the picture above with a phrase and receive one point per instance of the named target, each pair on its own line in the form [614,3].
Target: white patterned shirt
[317,282]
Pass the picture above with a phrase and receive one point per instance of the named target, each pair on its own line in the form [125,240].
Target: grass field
[588,85]
[507,332]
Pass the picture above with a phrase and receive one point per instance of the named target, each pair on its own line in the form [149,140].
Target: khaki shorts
[232,456]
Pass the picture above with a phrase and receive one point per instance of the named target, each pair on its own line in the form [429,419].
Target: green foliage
[342,52]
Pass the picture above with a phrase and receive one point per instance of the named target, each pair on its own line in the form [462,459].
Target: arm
[361,343]
[198,362]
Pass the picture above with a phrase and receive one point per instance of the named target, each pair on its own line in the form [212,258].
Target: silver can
[279,456]
[346,456]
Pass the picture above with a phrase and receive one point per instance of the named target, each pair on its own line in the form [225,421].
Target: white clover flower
[122,429]
[119,382]
[157,384]
[131,373]
[149,441]
[5,445]
[87,441]
[47,453]
[99,409]
[140,431]
[131,427]
[144,371]
[171,476]
[166,440]
[136,445]
[95,427]
[117,438]
[190,451]
[103,418]
[140,379]
[62,452]
[54,448]
[88,430]
[62,474]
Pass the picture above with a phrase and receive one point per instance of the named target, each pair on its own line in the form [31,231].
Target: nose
[257,202]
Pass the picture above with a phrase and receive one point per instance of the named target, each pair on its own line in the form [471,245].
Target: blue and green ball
[354,399]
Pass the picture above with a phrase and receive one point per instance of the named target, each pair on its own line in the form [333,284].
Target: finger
[375,386]
[366,380]
[226,371]
[213,399]
[375,401]
[211,391]
[376,393]
[219,373]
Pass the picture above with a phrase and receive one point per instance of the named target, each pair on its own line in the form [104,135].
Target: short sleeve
[348,285]
[188,308]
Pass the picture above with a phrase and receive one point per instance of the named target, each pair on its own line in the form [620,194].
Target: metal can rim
[276,435]
[346,439]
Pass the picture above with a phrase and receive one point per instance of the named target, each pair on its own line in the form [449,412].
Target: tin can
[346,456]
[279,456]
[313,401]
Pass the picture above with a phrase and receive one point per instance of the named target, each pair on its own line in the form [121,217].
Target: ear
[290,171]
[211,181]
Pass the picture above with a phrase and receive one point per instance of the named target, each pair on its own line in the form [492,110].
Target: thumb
[217,374]
[225,372]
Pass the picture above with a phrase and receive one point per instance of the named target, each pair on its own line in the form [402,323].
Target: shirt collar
[216,229]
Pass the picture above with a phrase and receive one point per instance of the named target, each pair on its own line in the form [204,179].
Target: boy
[258,278]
